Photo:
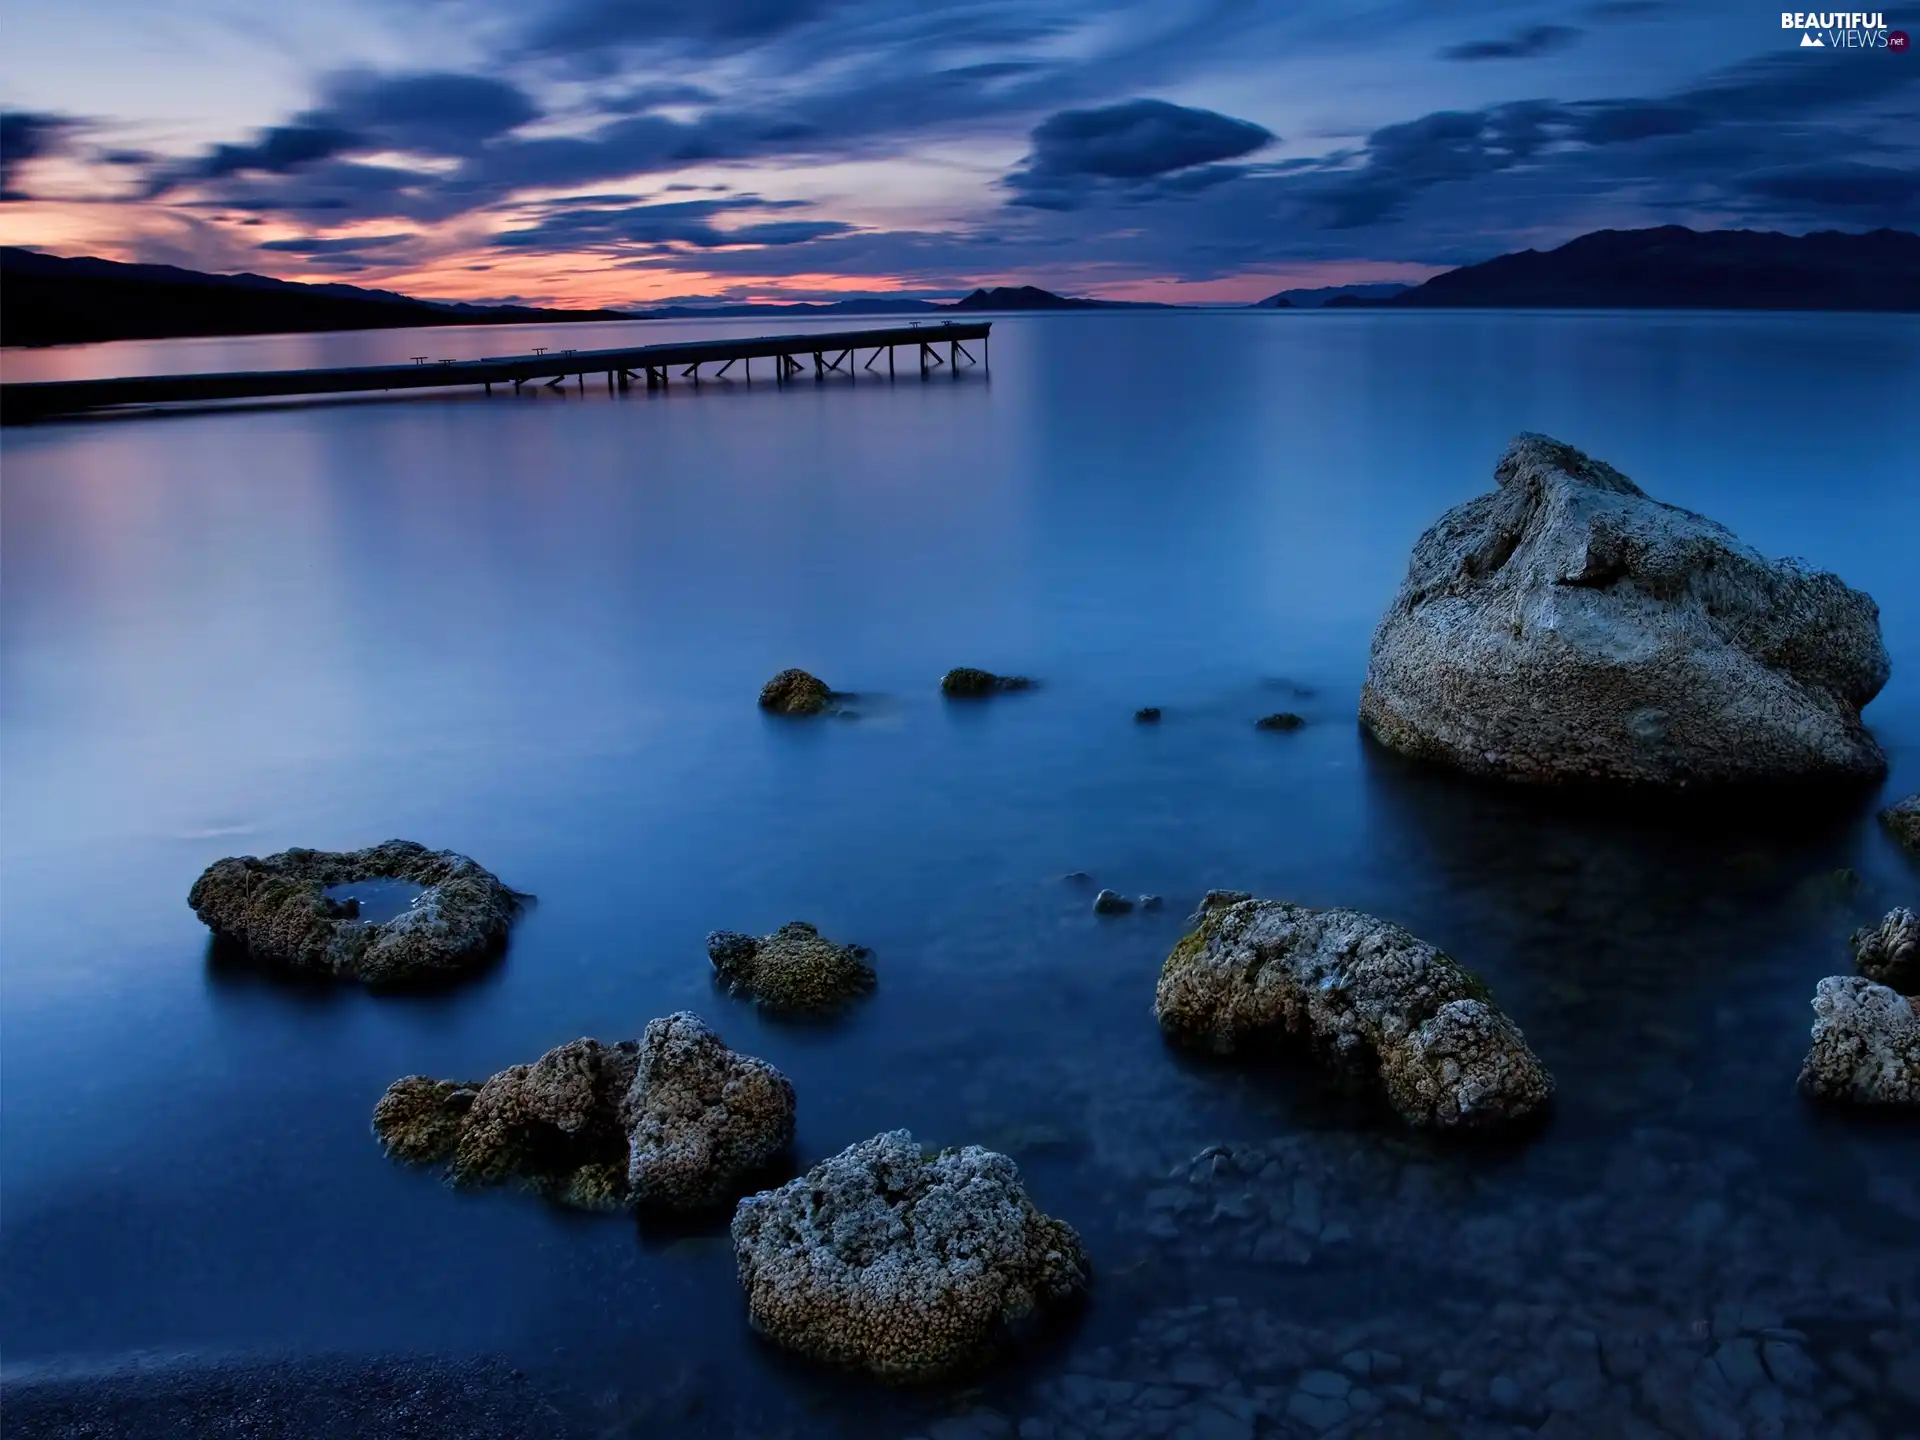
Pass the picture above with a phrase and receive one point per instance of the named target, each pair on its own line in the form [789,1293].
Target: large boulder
[700,1120]
[1903,821]
[675,1121]
[1566,627]
[1373,1001]
[1889,953]
[796,969]
[908,1266]
[278,910]
[1866,1044]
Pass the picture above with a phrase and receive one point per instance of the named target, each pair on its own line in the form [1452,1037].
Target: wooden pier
[932,347]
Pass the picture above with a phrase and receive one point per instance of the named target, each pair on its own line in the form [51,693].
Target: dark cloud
[679,223]
[1448,145]
[436,113]
[277,150]
[1841,185]
[1079,152]
[343,245]
[360,112]
[587,26]
[1520,45]
[26,136]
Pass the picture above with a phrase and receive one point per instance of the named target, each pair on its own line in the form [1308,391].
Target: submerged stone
[1282,720]
[1902,820]
[795,692]
[1367,997]
[1147,715]
[279,911]
[675,1121]
[1889,953]
[907,1266]
[794,969]
[1567,627]
[964,682]
[1866,1044]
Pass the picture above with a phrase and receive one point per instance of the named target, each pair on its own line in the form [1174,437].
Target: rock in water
[908,1267]
[553,1125]
[1280,720]
[966,683]
[794,969]
[1866,1044]
[1903,821]
[676,1121]
[1147,715]
[278,909]
[700,1119]
[1565,627]
[1365,995]
[1111,902]
[795,692]
[1889,954]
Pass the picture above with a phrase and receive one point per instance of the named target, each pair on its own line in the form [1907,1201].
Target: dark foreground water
[532,630]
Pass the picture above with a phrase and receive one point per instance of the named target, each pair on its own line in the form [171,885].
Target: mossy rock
[795,692]
[966,683]
[1376,1005]
[795,970]
[278,911]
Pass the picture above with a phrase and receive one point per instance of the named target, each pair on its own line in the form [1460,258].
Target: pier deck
[657,365]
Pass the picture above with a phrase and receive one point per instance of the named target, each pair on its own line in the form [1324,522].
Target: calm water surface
[531,629]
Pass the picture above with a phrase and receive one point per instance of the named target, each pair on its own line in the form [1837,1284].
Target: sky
[622,152]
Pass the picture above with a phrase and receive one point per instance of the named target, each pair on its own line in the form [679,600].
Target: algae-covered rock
[277,908]
[1889,953]
[1365,996]
[1902,820]
[795,692]
[1567,627]
[700,1119]
[795,969]
[420,1119]
[553,1125]
[966,683]
[1866,1044]
[674,1121]
[906,1266]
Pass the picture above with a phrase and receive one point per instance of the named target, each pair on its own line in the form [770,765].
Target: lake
[532,629]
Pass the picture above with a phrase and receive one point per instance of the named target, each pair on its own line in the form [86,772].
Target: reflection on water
[376,901]
[533,633]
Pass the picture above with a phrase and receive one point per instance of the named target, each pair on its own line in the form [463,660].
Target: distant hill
[1327,295]
[1032,297]
[47,300]
[1672,267]
[1001,297]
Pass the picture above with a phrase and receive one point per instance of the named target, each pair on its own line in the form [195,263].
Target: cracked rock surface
[1365,996]
[673,1121]
[904,1265]
[1866,1044]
